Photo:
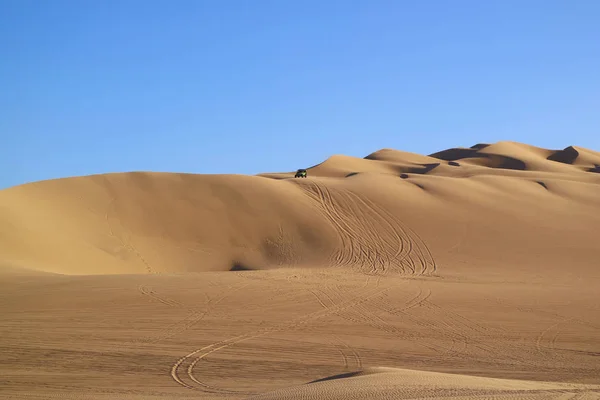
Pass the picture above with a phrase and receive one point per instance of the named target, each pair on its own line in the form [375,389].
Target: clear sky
[255,86]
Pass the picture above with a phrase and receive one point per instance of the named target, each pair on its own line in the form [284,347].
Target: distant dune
[350,212]
[469,273]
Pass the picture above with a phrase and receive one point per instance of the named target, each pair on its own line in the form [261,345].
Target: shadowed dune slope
[390,212]
[522,157]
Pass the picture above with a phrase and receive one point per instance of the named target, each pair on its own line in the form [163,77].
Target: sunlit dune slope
[153,222]
[390,212]
[392,383]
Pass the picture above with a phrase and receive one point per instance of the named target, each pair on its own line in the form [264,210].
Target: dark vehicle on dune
[301,173]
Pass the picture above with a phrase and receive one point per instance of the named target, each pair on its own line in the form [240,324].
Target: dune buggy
[301,173]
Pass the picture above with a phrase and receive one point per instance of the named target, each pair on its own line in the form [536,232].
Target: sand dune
[349,213]
[471,272]
[391,383]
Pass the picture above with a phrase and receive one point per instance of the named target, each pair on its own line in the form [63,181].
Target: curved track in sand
[147,290]
[190,361]
[372,239]
[373,251]
[196,314]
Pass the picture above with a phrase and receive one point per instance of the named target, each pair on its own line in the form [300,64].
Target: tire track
[291,325]
[366,314]
[469,331]
[341,346]
[355,250]
[148,291]
[198,355]
[344,221]
[355,354]
[579,321]
[373,240]
[357,314]
[546,348]
[464,335]
[399,240]
[125,244]
[477,336]
[314,191]
[402,243]
[336,345]
[549,351]
[196,315]
[379,245]
[419,300]
[440,323]
[418,252]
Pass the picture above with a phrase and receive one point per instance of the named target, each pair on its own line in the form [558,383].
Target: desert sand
[468,273]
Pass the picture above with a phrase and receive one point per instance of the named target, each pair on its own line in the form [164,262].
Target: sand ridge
[467,273]
[395,383]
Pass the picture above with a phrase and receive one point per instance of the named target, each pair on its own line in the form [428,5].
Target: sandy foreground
[469,273]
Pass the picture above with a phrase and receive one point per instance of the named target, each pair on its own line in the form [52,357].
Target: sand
[468,273]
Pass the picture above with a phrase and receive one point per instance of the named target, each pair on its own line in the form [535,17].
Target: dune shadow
[492,160]
[352,174]
[595,169]
[406,176]
[565,156]
[426,168]
[542,184]
[422,169]
[240,267]
[453,164]
[334,377]
[455,154]
[505,162]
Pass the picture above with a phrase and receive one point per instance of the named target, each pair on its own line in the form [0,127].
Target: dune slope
[391,212]
[392,383]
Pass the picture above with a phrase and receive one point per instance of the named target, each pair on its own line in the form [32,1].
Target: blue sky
[245,87]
